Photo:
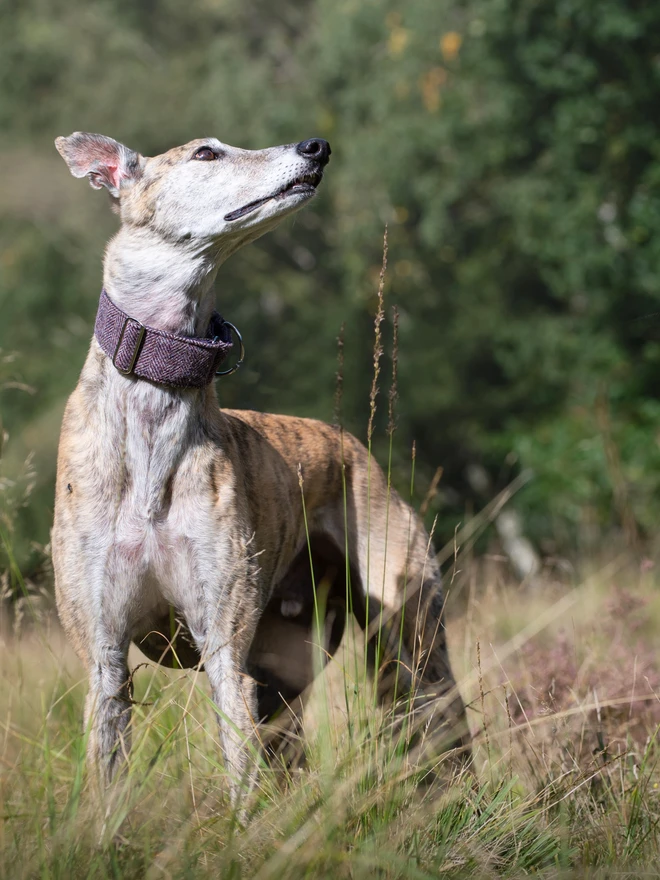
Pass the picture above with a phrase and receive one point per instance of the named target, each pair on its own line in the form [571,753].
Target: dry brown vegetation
[564,696]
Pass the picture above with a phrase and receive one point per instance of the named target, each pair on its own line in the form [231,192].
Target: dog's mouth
[303,184]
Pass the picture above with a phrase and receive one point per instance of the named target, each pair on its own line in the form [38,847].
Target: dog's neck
[163,284]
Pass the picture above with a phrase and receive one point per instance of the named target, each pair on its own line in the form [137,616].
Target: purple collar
[147,353]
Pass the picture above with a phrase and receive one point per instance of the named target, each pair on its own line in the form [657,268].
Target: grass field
[563,688]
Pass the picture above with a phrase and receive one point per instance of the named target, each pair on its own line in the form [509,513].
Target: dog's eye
[205,154]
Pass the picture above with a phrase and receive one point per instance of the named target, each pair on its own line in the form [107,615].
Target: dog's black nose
[315,148]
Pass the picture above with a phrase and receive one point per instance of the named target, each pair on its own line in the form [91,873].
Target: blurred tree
[511,146]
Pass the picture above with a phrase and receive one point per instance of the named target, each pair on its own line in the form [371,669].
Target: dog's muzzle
[317,151]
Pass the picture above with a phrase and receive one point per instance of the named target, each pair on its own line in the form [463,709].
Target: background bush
[510,145]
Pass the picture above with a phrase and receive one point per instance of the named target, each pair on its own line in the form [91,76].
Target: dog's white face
[205,191]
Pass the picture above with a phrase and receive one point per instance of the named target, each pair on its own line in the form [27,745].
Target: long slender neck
[167,285]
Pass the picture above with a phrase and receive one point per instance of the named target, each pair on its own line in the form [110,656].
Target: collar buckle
[136,350]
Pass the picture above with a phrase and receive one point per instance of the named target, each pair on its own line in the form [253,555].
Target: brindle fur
[170,508]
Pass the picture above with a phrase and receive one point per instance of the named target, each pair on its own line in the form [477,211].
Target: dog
[169,508]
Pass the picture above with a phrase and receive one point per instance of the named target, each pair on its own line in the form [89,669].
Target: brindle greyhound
[167,505]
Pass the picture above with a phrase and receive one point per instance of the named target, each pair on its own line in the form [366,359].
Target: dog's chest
[166,497]
[157,511]
[158,439]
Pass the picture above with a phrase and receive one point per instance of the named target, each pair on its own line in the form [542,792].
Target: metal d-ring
[241,354]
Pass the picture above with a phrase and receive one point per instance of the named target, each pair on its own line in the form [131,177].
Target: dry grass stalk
[378,340]
[394,389]
[339,377]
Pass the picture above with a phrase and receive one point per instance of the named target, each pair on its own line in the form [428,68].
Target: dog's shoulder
[289,432]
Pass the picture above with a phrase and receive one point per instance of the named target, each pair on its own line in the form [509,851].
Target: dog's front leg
[95,594]
[234,694]
[224,648]
[108,713]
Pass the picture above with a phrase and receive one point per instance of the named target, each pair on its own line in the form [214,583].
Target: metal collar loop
[241,351]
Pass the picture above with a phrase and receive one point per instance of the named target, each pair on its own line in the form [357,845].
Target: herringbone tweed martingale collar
[159,356]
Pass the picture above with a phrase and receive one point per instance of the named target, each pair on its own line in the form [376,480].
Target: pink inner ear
[98,156]
[103,160]
[101,173]
[114,175]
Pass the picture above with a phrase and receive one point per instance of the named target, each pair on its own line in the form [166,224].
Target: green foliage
[512,148]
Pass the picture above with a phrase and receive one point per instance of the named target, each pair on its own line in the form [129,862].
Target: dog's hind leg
[399,600]
[407,652]
[435,706]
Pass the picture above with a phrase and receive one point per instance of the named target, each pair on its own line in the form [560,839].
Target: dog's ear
[104,161]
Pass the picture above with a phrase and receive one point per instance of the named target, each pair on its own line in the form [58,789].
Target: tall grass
[563,692]
[556,788]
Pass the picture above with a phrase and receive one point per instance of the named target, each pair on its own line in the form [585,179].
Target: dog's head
[204,191]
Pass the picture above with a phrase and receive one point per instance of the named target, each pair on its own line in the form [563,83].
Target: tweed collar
[159,356]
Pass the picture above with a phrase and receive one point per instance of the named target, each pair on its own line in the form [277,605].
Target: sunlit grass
[564,781]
